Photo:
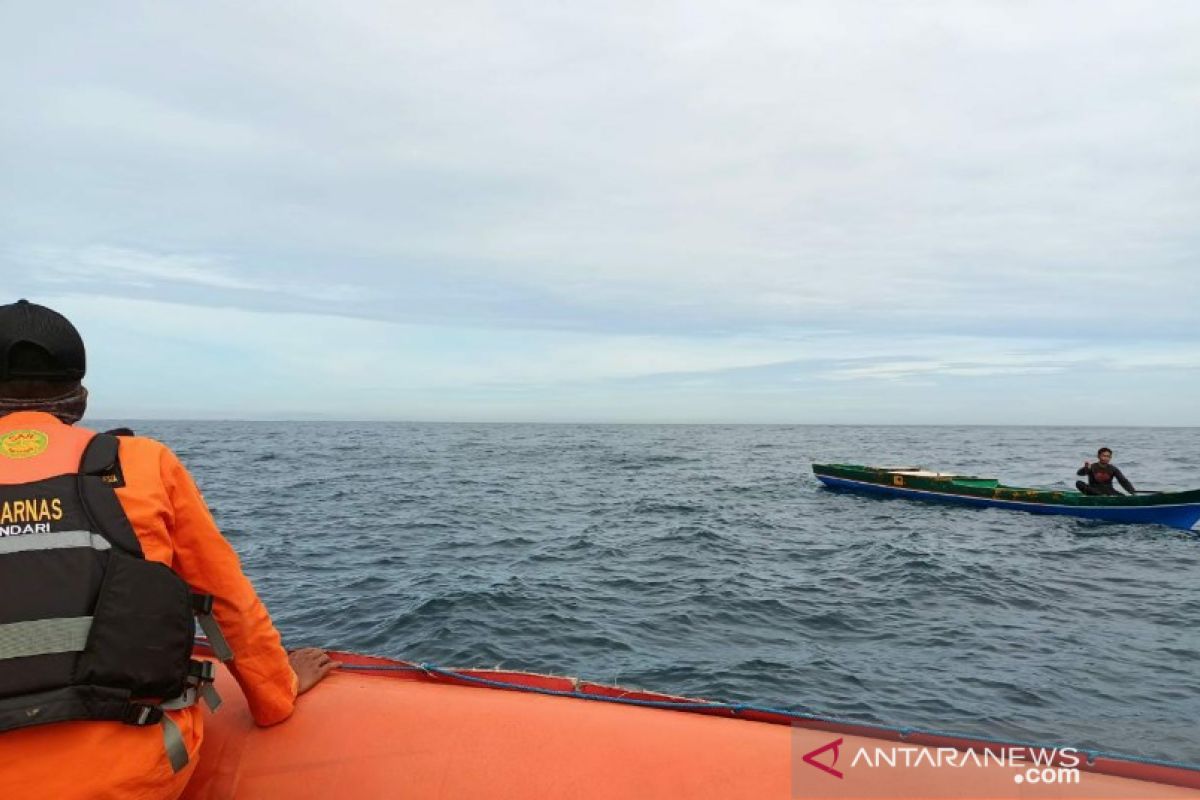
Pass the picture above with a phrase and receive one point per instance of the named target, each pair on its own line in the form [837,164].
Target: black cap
[39,344]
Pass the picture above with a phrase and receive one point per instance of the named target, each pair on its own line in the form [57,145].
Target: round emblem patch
[23,444]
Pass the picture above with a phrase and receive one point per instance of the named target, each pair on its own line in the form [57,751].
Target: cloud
[329,348]
[904,370]
[992,358]
[137,268]
[655,190]
[124,266]
[154,359]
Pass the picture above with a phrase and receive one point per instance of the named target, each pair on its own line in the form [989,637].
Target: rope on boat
[433,669]
[736,708]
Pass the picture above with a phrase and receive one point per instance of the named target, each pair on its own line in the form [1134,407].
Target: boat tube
[378,728]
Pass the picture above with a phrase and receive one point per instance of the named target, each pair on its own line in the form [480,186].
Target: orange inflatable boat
[379,728]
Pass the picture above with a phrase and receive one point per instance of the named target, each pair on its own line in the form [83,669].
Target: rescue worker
[94,630]
[1101,474]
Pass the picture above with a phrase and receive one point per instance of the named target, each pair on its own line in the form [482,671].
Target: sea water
[707,561]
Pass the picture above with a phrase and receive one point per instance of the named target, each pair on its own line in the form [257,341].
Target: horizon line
[378,421]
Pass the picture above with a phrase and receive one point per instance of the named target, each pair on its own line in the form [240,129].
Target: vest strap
[59,540]
[66,704]
[216,639]
[202,606]
[185,700]
[177,752]
[201,675]
[141,714]
[100,454]
[212,698]
[42,637]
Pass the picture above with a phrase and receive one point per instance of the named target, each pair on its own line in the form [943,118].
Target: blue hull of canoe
[1183,516]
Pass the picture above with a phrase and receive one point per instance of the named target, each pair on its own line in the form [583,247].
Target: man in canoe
[108,558]
[1101,475]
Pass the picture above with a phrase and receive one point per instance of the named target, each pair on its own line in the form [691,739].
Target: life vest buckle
[202,671]
[141,714]
[202,604]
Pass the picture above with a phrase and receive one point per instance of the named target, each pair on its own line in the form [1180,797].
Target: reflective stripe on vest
[53,541]
[42,637]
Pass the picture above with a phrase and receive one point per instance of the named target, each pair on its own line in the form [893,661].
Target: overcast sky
[829,212]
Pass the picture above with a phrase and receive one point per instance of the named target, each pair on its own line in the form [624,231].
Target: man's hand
[1087,464]
[311,665]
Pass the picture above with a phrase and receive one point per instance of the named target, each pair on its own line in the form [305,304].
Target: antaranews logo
[833,747]
[834,768]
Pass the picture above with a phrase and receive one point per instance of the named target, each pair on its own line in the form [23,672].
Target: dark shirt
[1100,478]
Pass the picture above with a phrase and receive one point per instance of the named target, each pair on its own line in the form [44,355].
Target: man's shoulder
[137,447]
